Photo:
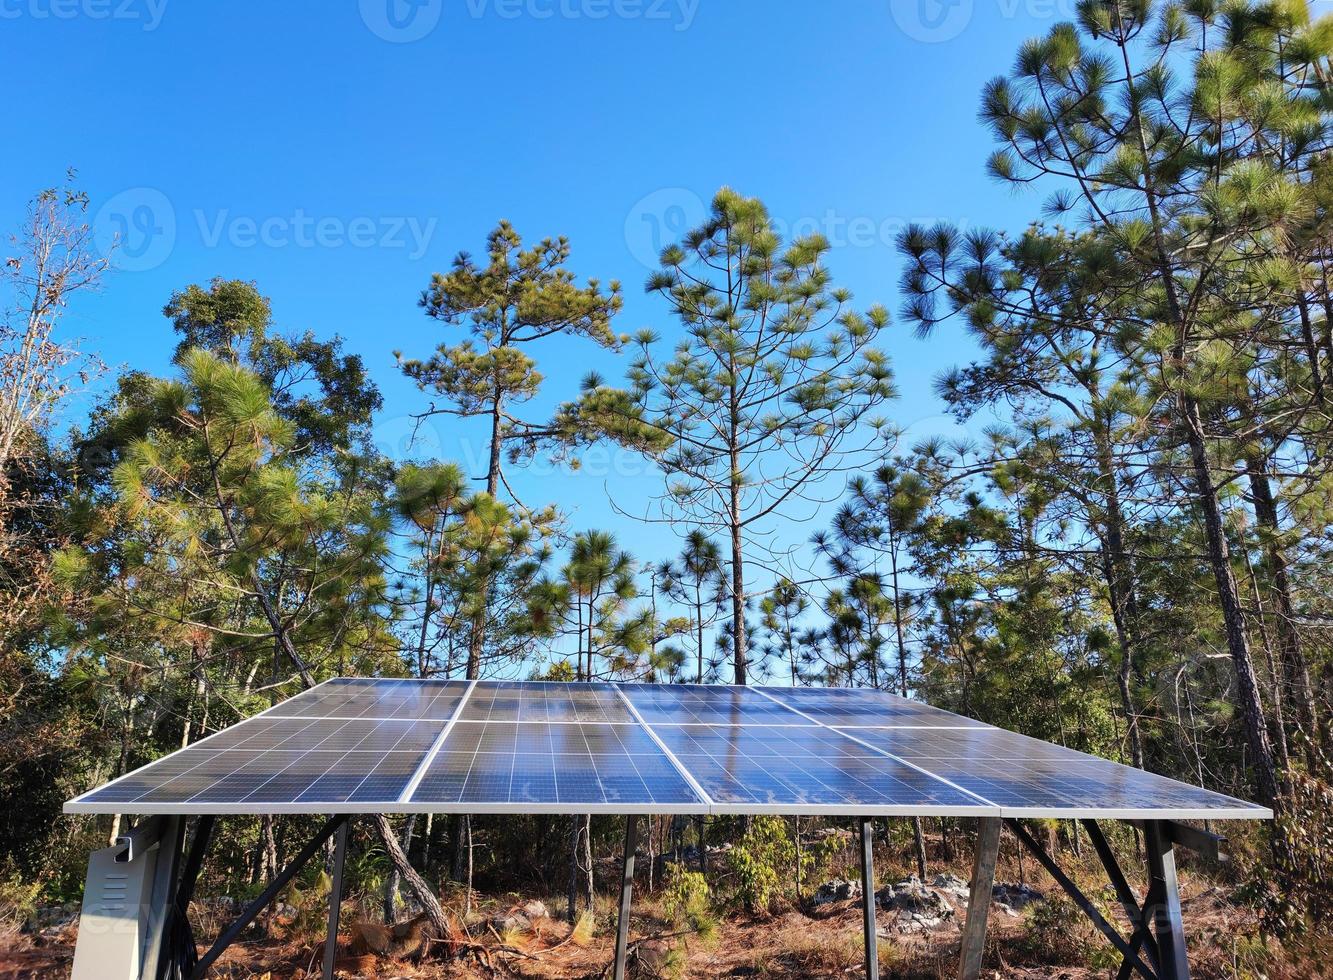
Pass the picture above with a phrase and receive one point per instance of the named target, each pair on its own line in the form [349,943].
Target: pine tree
[770,389]
[516,300]
[697,579]
[1189,187]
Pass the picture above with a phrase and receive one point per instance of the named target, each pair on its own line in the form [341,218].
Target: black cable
[180,954]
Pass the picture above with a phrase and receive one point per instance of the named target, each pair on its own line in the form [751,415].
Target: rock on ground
[918,907]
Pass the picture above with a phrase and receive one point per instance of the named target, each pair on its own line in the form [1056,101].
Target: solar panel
[393,745]
[560,767]
[525,701]
[704,704]
[850,707]
[1027,777]
[268,761]
[375,698]
[807,769]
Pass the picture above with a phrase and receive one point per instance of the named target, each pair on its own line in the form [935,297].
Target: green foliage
[774,375]
[590,601]
[477,561]
[1058,932]
[323,392]
[311,902]
[516,299]
[1130,555]
[763,861]
[697,580]
[19,896]
[687,901]
[1300,900]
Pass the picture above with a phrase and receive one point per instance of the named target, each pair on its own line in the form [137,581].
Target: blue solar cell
[1029,777]
[844,707]
[694,704]
[529,701]
[793,768]
[557,764]
[375,698]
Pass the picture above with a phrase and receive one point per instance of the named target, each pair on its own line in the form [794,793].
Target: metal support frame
[335,900]
[230,934]
[1166,917]
[868,898]
[978,902]
[1128,901]
[165,950]
[171,842]
[1156,948]
[626,896]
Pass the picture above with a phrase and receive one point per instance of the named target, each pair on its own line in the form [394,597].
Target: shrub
[18,899]
[762,860]
[686,901]
[1304,864]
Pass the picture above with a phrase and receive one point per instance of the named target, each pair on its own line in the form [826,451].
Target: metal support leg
[626,895]
[1138,941]
[1166,916]
[978,902]
[868,897]
[335,900]
[171,847]
[178,942]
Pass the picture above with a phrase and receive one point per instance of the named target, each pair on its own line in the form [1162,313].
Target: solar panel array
[354,745]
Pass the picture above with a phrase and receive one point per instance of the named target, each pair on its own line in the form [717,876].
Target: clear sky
[339,152]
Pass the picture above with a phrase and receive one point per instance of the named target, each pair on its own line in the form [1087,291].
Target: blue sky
[339,152]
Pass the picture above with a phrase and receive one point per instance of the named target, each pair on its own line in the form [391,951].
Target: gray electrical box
[124,905]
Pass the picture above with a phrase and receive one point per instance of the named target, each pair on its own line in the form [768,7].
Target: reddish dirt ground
[793,944]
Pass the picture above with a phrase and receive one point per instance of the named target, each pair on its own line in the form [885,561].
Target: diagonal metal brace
[1142,937]
[1081,900]
[1138,914]
[252,910]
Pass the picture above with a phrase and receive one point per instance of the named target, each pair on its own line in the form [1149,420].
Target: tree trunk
[268,869]
[699,633]
[919,846]
[1278,728]
[1295,671]
[1233,617]
[1120,586]
[393,878]
[587,857]
[467,901]
[497,437]
[1311,348]
[1219,554]
[738,638]
[701,831]
[420,890]
[572,892]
